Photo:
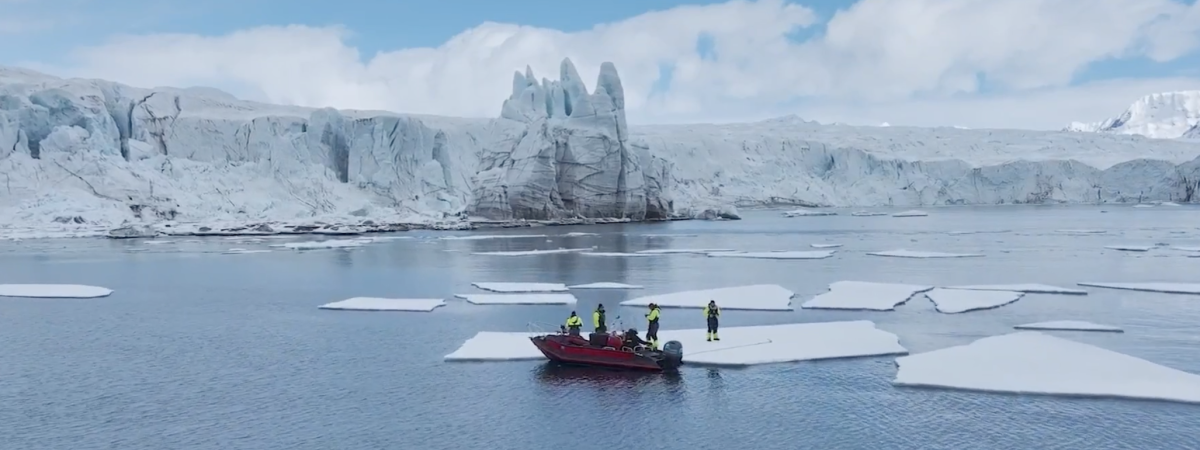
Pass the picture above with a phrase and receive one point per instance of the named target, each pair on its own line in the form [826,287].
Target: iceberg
[1028,288]
[1165,288]
[53,291]
[739,346]
[386,304]
[132,161]
[518,299]
[605,285]
[865,296]
[957,301]
[521,287]
[1069,325]
[1030,362]
[762,297]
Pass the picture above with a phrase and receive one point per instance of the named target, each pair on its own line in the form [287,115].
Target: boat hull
[575,350]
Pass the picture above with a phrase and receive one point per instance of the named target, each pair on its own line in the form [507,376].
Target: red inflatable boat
[604,350]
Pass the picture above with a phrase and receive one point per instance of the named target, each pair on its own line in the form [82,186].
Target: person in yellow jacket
[713,314]
[574,324]
[598,319]
[652,329]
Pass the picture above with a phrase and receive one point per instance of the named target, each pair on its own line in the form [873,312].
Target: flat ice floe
[739,346]
[1130,248]
[320,245]
[479,237]
[1187,249]
[865,295]
[911,213]
[53,291]
[243,251]
[1069,325]
[605,285]
[535,252]
[1028,288]
[620,254]
[385,304]
[867,214]
[1081,231]
[966,232]
[825,245]
[511,288]
[580,233]
[518,299]
[1030,362]
[955,301]
[774,255]
[764,297]
[675,251]
[922,255]
[808,213]
[1165,288]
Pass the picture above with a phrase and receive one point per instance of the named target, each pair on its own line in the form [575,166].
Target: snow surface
[1130,248]
[1030,362]
[911,213]
[1069,325]
[117,155]
[518,299]
[385,304]
[922,255]
[764,297]
[53,291]
[675,251]
[864,295]
[605,285]
[774,255]
[1028,288]
[956,301]
[1166,288]
[808,213]
[826,245]
[739,346]
[510,288]
[1167,115]
[535,252]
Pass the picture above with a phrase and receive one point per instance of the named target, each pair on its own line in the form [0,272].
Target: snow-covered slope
[94,154]
[1168,115]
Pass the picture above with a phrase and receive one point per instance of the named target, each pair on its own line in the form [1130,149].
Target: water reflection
[563,375]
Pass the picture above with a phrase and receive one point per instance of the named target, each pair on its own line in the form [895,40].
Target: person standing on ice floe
[652,328]
[598,319]
[574,324]
[713,314]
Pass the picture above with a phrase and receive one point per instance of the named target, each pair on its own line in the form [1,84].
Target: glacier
[1166,115]
[83,156]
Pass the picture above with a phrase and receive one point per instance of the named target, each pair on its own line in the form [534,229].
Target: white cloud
[915,62]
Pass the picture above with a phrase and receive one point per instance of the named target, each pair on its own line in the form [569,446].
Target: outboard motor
[672,353]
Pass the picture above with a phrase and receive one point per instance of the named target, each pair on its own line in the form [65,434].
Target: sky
[1036,64]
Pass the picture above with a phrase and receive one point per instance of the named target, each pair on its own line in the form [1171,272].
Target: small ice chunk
[511,288]
[1069,325]
[243,251]
[1143,205]
[385,304]
[669,235]
[535,252]
[157,242]
[1130,248]
[961,233]
[955,301]
[619,254]
[1081,231]
[479,237]
[1028,288]
[911,213]
[518,299]
[825,245]
[605,285]
[774,255]
[1168,204]
[676,251]
[901,253]
[764,297]
[1030,362]
[53,291]
[867,214]
[579,233]
[864,295]
[1165,288]
[739,346]
[1187,249]
[316,245]
[808,213]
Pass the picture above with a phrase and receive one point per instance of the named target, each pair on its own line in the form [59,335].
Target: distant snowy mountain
[1168,115]
[79,157]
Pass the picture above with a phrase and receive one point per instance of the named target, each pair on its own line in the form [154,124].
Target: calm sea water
[199,350]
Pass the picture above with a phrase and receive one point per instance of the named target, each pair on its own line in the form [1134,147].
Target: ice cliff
[1168,115]
[93,153]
